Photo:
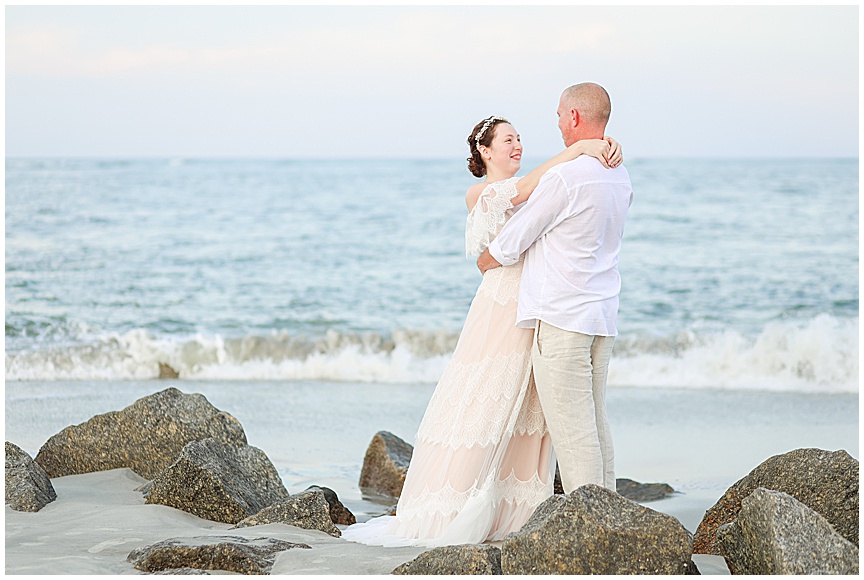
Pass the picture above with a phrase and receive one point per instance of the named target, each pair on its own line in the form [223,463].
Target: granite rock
[596,531]
[218,481]
[385,465]
[229,553]
[339,514]
[463,560]
[28,488]
[824,481]
[628,488]
[776,534]
[147,436]
[308,510]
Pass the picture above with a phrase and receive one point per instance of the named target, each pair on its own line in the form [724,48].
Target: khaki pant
[570,371]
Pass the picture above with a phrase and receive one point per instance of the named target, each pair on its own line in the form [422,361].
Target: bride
[482,460]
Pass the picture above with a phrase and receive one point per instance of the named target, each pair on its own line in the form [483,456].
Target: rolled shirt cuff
[498,254]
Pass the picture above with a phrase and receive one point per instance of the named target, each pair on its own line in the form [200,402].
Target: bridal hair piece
[484,132]
[486,124]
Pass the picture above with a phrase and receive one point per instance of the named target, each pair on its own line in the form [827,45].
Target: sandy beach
[700,442]
[98,519]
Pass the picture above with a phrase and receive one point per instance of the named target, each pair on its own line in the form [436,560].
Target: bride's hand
[597,148]
[615,156]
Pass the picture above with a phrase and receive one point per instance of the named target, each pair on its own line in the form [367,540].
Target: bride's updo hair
[485,130]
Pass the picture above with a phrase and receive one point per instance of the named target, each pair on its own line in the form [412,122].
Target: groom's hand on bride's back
[487,262]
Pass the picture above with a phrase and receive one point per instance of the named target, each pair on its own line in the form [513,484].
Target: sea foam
[819,355]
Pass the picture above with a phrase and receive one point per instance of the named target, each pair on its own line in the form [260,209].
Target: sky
[411,81]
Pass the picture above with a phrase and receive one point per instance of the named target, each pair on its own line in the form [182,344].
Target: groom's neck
[589,132]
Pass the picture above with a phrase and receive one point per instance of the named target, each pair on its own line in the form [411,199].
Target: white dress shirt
[571,227]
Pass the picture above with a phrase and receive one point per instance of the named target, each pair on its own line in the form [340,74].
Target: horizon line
[226,157]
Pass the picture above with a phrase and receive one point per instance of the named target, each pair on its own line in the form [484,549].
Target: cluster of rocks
[796,513]
[197,460]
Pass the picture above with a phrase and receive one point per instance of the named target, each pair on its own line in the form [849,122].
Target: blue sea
[737,274]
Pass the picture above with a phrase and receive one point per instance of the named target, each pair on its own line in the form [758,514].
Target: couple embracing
[529,370]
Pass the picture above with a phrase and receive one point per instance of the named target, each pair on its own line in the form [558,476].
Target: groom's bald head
[591,100]
[583,112]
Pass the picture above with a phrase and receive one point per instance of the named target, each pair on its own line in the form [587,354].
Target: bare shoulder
[473,194]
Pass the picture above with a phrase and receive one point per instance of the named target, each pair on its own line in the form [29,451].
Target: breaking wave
[819,355]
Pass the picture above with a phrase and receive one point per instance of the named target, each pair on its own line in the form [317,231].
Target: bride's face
[505,151]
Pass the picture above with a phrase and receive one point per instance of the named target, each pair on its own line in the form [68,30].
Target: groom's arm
[543,211]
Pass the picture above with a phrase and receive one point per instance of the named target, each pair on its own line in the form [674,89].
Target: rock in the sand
[308,510]
[824,481]
[229,553]
[28,488]
[147,436]
[463,560]
[776,534]
[219,482]
[628,488]
[594,530]
[385,465]
[339,514]
[642,491]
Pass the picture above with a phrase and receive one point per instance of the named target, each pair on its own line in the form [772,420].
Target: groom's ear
[574,113]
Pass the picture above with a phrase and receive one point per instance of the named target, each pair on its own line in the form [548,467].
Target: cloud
[427,40]
[683,75]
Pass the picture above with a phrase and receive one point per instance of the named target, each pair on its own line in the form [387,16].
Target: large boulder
[146,436]
[466,559]
[824,481]
[218,481]
[28,488]
[308,510]
[596,531]
[230,553]
[339,514]
[385,465]
[776,534]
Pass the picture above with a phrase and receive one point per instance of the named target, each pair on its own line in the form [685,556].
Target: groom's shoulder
[588,169]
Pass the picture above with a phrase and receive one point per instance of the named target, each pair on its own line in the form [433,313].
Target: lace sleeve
[488,215]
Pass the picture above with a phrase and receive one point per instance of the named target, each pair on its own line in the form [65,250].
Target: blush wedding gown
[482,460]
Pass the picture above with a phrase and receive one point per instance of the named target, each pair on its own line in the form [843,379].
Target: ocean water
[737,274]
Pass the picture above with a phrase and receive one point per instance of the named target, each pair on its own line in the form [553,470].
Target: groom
[571,228]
